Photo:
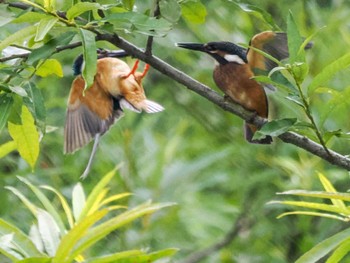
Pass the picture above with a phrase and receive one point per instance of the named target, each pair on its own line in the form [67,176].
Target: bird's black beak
[193,46]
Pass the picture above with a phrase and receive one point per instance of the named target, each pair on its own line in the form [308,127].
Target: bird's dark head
[223,52]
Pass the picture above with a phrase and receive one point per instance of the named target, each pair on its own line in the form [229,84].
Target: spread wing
[88,115]
[274,44]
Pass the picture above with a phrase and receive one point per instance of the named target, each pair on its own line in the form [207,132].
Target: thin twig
[156,13]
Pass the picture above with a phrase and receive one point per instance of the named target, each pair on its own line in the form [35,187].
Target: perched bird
[90,113]
[235,68]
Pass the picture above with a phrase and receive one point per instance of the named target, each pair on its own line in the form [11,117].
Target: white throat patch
[234,58]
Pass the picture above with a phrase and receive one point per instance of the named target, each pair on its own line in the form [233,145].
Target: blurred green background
[194,153]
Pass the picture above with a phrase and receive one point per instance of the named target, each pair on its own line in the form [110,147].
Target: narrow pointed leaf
[6,102]
[318,194]
[49,232]
[294,41]
[69,241]
[45,25]
[90,56]
[18,36]
[6,148]
[64,203]
[31,207]
[46,203]
[329,188]
[307,213]
[81,7]
[323,248]
[26,137]
[340,252]
[95,192]
[78,200]
[20,240]
[116,256]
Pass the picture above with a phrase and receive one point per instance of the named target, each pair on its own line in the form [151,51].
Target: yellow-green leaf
[6,148]
[44,27]
[26,137]
[50,66]
[327,185]
[18,37]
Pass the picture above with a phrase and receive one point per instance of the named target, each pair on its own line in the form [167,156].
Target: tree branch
[289,137]
[156,13]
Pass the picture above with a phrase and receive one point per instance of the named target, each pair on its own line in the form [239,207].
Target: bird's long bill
[192,46]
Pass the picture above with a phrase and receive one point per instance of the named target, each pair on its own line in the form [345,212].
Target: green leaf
[46,203]
[115,256]
[74,235]
[103,229]
[49,232]
[275,127]
[6,101]
[36,105]
[95,192]
[31,207]
[309,213]
[26,137]
[20,241]
[18,90]
[50,47]
[6,148]
[5,15]
[45,25]
[18,37]
[128,4]
[318,194]
[80,8]
[328,72]
[259,13]
[294,41]
[30,17]
[90,56]
[340,252]
[35,260]
[78,200]
[50,66]
[64,204]
[327,185]
[170,10]
[323,248]
[194,12]
[300,71]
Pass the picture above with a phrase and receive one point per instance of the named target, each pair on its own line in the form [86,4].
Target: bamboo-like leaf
[78,200]
[69,241]
[95,192]
[46,203]
[49,232]
[114,198]
[323,248]
[100,231]
[318,194]
[21,242]
[6,148]
[100,197]
[35,260]
[26,137]
[44,26]
[308,213]
[31,207]
[329,188]
[64,204]
[328,72]
[294,41]
[90,56]
[116,256]
[318,206]
[18,36]
[340,252]
[6,101]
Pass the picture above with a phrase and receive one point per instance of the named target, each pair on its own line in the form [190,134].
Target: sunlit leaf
[30,17]
[44,26]
[194,12]
[340,252]
[6,148]
[324,247]
[26,137]
[74,235]
[330,188]
[318,194]
[90,56]
[50,66]
[309,213]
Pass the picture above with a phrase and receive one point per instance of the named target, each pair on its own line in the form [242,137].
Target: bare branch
[290,137]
